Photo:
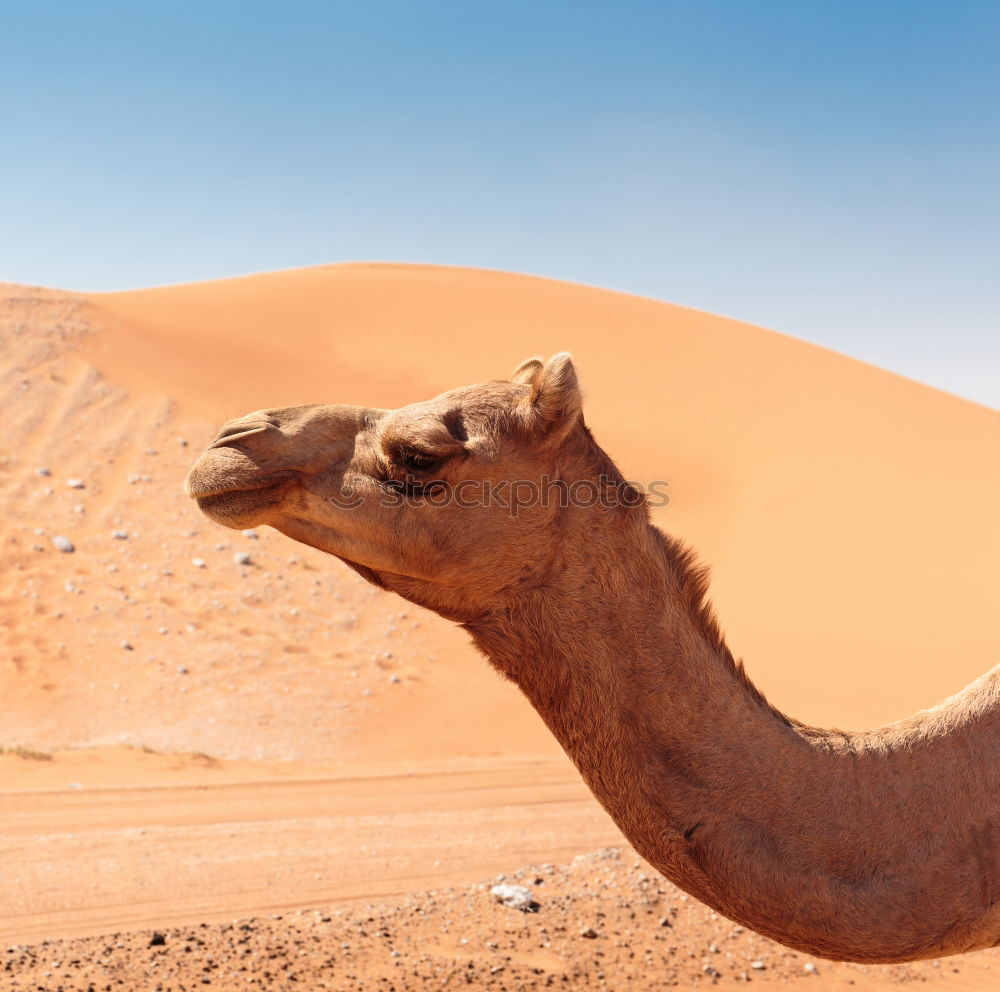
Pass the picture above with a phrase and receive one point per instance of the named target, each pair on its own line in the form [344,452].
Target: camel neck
[790,830]
[631,677]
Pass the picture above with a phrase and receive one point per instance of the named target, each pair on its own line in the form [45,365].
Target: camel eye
[417,461]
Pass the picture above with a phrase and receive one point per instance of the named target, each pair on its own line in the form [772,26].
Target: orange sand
[849,516]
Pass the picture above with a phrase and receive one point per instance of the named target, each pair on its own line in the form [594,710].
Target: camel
[494,506]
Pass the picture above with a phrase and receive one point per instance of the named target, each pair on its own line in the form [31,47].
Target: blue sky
[827,169]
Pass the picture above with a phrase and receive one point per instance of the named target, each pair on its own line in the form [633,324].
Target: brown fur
[879,847]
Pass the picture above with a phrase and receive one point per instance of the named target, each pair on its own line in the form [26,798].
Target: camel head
[449,502]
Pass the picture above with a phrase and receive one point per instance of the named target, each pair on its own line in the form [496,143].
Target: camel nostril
[235,433]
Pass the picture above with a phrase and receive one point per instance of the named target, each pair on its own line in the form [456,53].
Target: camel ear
[525,372]
[555,397]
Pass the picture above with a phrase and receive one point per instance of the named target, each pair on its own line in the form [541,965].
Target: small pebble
[252,534]
[76,484]
[63,543]
[513,896]
[42,471]
[242,558]
[120,535]
[198,562]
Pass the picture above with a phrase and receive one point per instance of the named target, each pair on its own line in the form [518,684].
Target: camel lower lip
[217,501]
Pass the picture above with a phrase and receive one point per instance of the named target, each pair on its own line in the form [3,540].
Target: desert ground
[228,763]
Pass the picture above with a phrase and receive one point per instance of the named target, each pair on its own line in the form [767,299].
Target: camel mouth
[244,486]
[239,507]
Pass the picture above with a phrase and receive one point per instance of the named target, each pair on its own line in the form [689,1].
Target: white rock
[63,543]
[42,470]
[514,896]
[252,534]
[242,558]
[76,484]
[120,535]
[198,562]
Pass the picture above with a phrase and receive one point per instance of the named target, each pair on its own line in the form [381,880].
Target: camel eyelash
[415,460]
[407,470]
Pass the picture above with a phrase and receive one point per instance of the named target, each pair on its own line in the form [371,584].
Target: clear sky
[828,169]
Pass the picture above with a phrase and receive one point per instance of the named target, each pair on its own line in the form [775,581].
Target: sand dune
[849,516]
